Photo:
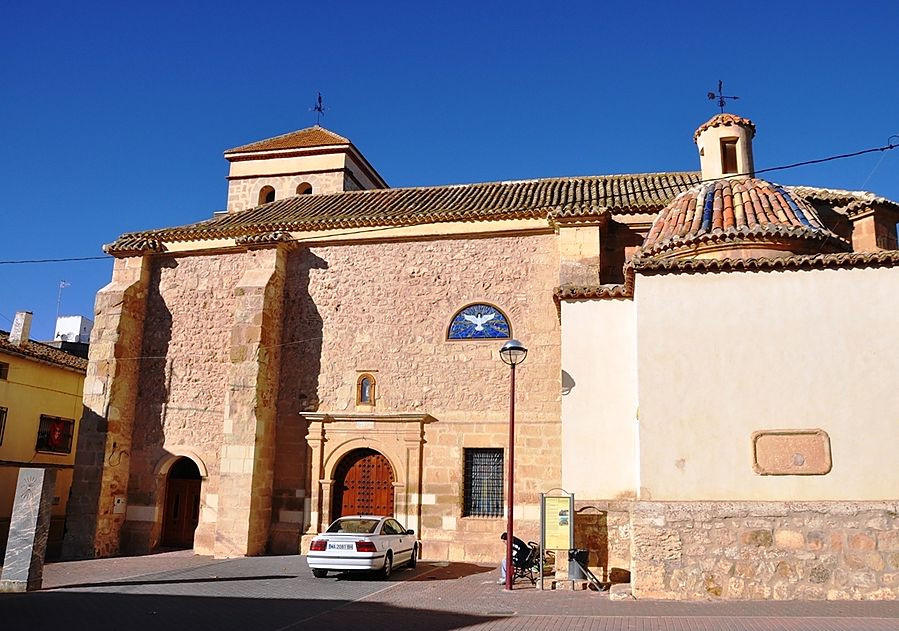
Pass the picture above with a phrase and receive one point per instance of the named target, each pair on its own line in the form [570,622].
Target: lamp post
[513,353]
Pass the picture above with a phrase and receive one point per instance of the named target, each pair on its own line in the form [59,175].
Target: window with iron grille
[2,423]
[55,434]
[483,483]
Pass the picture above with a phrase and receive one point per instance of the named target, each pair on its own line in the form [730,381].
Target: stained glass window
[479,321]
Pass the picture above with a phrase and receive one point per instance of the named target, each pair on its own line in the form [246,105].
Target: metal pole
[509,536]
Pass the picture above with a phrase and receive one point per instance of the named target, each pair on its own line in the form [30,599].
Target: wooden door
[363,485]
[182,513]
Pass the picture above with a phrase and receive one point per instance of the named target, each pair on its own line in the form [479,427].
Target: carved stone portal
[398,437]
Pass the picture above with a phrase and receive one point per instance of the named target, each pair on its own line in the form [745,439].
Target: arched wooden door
[182,505]
[363,485]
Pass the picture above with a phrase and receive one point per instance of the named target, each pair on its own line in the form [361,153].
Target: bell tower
[305,162]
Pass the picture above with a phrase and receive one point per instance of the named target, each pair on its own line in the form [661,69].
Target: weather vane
[720,96]
[318,108]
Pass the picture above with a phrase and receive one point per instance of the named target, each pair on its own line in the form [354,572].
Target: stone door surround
[399,437]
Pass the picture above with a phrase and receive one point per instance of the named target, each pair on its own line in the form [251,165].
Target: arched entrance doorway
[363,485]
[182,505]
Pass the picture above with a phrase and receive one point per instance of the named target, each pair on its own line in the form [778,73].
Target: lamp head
[513,352]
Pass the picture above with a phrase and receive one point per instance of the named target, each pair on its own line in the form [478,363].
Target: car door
[401,543]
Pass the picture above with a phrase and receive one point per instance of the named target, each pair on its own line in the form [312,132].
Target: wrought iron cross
[721,96]
[318,108]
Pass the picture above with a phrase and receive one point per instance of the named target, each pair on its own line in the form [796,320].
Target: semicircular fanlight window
[479,321]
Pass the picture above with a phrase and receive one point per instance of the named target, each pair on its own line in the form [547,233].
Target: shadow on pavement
[97,612]
[450,571]
[437,571]
[213,579]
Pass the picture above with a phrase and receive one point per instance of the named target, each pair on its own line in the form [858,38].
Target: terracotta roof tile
[555,197]
[314,136]
[624,291]
[849,202]
[726,119]
[885,258]
[44,353]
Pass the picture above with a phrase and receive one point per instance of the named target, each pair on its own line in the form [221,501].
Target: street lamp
[513,353]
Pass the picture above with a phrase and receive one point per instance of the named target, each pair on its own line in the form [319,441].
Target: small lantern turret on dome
[725,146]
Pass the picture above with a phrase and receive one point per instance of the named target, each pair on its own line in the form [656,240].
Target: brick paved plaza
[180,590]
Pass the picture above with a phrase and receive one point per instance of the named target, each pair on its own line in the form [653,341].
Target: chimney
[21,328]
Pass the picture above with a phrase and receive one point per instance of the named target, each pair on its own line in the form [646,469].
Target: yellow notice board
[557,524]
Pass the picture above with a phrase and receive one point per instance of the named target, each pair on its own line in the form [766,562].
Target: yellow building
[40,408]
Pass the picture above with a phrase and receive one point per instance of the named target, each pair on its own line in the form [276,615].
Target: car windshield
[354,526]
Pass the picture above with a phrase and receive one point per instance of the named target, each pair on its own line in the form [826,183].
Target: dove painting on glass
[479,321]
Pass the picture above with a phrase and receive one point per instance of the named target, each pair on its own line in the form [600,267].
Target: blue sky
[114,116]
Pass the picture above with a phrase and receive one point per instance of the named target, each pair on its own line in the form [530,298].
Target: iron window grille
[483,483]
[2,423]
[54,435]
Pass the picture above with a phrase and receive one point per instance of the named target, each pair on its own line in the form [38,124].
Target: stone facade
[237,347]
[243,192]
[766,550]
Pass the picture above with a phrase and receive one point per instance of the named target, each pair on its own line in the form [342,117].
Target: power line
[892,143]
[68,260]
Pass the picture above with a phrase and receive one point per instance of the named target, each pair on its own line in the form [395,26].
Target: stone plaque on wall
[791,452]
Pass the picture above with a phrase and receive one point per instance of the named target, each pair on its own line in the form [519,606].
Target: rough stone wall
[248,440]
[183,381]
[604,529]
[384,308]
[243,193]
[102,462]
[766,550]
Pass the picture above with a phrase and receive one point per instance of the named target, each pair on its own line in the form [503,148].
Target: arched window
[304,188]
[266,195]
[479,321]
[365,389]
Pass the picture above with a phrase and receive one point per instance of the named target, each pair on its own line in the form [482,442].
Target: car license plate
[341,546]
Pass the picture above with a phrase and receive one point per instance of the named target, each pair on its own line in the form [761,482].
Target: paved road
[180,590]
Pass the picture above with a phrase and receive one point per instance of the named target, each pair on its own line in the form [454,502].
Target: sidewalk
[179,589]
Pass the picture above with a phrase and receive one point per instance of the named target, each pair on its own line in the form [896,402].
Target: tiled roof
[726,119]
[42,352]
[849,202]
[735,209]
[624,291]
[554,197]
[314,136]
[885,258]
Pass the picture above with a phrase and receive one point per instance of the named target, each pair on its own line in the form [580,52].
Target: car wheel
[414,560]
[388,566]
[317,573]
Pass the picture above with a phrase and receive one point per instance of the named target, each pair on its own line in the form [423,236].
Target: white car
[363,543]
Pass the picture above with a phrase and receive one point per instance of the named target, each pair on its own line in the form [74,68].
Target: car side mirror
[410,532]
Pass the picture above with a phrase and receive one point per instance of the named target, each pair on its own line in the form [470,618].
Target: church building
[710,370]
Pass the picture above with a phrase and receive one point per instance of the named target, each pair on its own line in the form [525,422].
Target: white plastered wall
[599,399]
[723,355]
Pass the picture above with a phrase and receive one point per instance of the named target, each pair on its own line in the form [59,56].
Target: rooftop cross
[721,96]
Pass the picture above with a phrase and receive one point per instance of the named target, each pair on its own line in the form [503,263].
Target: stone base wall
[604,529]
[766,550]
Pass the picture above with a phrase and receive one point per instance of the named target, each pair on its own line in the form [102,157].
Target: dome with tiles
[738,218]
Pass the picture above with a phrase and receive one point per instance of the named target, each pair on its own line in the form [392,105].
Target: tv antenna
[62,285]
[721,96]
[318,108]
